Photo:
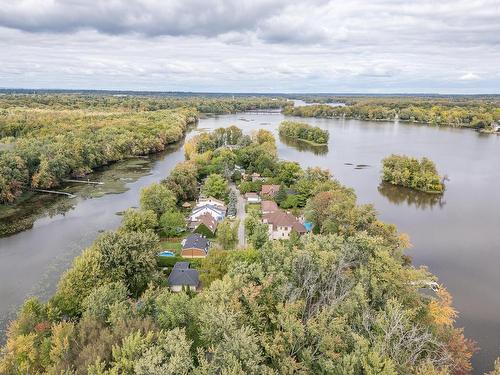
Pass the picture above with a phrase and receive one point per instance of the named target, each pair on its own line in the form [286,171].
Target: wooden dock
[69,195]
[84,182]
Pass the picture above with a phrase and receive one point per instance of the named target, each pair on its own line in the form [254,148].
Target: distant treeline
[475,113]
[217,105]
[412,173]
[48,146]
[47,137]
[303,131]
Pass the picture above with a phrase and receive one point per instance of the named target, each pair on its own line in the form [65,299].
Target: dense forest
[222,104]
[46,138]
[476,113]
[48,146]
[304,132]
[412,173]
[345,300]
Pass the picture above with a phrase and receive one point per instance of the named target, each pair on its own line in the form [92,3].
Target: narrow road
[241,214]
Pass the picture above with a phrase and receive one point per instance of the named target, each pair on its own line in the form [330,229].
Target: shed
[252,197]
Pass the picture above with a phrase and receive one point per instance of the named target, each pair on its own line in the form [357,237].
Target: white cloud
[222,45]
[469,77]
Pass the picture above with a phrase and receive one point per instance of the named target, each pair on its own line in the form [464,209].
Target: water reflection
[402,195]
[304,146]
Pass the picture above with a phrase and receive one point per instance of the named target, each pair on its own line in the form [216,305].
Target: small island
[412,173]
[304,132]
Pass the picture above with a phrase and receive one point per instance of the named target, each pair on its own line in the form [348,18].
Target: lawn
[252,207]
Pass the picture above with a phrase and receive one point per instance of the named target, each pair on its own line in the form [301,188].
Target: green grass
[252,207]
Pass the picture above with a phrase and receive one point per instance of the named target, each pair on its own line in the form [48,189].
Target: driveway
[241,214]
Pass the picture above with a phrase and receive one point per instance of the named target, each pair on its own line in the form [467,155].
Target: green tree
[97,305]
[129,257]
[183,181]
[170,355]
[215,186]
[172,223]
[139,220]
[157,198]
[227,234]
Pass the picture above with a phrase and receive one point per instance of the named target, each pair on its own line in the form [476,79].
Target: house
[281,224]
[252,197]
[195,246]
[217,212]
[268,207]
[183,277]
[206,225]
[211,201]
[269,190]
[257,177]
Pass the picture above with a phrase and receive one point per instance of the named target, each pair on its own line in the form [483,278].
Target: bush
[139,220]
[172,223]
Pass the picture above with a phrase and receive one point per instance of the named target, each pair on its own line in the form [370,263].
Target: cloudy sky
[445,46]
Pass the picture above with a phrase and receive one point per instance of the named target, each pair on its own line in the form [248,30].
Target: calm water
[457,236]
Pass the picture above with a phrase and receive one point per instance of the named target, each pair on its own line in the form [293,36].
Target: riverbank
[119,274]
[462,255]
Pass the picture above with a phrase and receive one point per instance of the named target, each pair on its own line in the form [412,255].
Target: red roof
[208,220]
[269,189]
[269,206]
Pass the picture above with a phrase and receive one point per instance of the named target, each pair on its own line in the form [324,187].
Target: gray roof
[183,276]
[181,265]
[209,206]
[196,241]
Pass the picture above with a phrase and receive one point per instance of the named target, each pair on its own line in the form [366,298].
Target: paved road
[241,214]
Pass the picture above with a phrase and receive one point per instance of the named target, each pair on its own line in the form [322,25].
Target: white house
[216,212]
[281,224]
[252,197]
[211,201]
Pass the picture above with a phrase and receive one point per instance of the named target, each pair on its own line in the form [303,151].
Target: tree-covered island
[304,132]
[410,172]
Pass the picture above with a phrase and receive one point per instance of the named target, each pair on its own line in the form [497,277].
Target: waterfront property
[205,225]
[269,190]
[195,246]
[268,207]
[281,224]
[257,177]
[183,277]
[212,202]
[215,211]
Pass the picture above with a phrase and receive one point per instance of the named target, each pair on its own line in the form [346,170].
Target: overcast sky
[445,46]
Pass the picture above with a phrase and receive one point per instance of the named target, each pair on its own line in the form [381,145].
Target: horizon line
[241,93]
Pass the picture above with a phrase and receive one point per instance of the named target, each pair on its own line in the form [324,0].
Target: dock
[69,195]
[84,182]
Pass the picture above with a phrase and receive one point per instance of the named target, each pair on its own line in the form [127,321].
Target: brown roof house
[269,190]
[206,225]
[195,246]
[268,207]
[281,225]
[257,177]
[183,277]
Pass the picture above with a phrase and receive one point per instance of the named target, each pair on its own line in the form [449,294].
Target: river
[457,236]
